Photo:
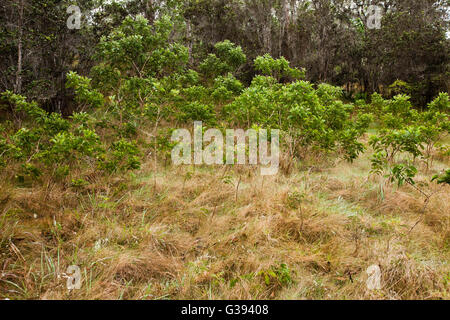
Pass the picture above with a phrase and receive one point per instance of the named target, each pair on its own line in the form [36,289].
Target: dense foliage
[331,39]
[143,76]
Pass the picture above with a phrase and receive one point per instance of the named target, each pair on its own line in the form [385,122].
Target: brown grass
[179,236]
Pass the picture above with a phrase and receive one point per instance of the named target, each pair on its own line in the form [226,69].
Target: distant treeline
[408,54]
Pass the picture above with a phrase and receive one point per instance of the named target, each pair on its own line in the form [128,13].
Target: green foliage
[85,95]
[398,112]
[440,104]
[225,88]
[407,133]
[49,142]
[313,118]
[351,148]
[140,67]
[443,178]
[142,76]
[328,93]
[123,157]
[19,104]
[362,122]
[138,49]
[189,78]
[196,111]
[402,174]
[227,58]
[66,146]
[277,68]
[277,276]
[393,142]
[79,183]
[395,172]
[401,87]
[194,93]
[376,106]
[295,199]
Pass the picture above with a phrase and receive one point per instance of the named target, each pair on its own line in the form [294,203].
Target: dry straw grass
[189,233]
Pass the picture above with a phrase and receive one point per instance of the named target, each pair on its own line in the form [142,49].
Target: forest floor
[227,233]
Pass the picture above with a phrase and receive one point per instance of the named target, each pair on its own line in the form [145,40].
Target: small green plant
[124,156]
[78,183]
[277,276]
[442,178]
[295,199]
[402,174]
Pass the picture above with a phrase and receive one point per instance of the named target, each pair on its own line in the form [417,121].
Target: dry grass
[309,234]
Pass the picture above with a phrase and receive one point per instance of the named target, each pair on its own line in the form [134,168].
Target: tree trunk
[189,40]
[18,85]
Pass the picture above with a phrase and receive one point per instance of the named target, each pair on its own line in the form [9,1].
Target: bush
[227,59]
[313,118]
[196,111]
[48,143]
[277,68]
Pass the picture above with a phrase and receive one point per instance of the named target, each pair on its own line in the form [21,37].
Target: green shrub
[196,111]
[123,156]
[277,68]
[227,59]
[443,178]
